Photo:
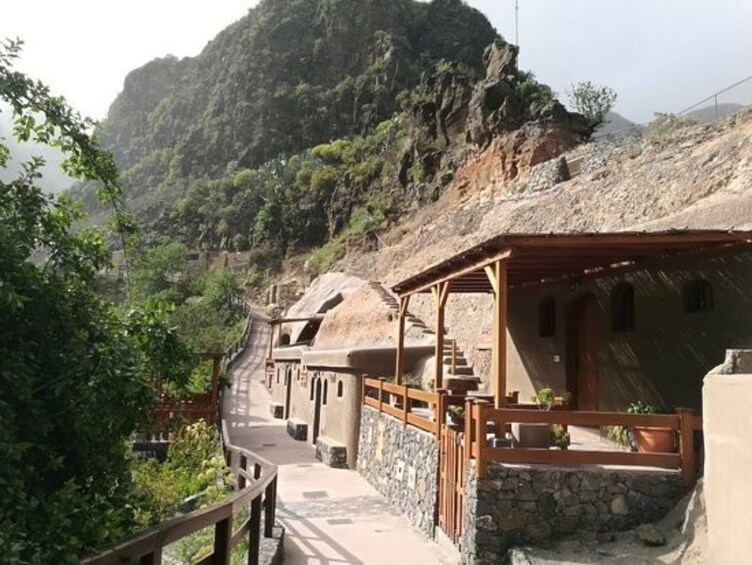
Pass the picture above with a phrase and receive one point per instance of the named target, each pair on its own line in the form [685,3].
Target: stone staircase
[460,381]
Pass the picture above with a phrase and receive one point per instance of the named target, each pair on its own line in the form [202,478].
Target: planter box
[655,440]
[531,435]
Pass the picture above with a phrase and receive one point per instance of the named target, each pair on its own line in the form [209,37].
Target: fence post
[244,466]
[469,429]
[270,495]
[254,532]
[405,402]
[381,393]
[222,536]
[687,444]
[153,558]
[479,409]
[441,408]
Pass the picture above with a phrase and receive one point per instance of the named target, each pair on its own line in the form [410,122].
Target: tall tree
[72,384]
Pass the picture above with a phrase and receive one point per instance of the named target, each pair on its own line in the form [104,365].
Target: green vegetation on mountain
[288,76]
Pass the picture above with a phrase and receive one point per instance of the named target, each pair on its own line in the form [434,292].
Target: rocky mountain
[317,124]
[614,123]
[713,112]
[287,76]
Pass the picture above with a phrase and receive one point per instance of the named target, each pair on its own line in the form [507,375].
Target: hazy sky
[659,55]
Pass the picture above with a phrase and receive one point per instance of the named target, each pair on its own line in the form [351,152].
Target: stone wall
[521,504]
[402,463]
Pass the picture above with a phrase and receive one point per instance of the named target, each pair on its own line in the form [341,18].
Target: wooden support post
[222,537]
[270,503]
[381,393]
[244,466]
[497,276]
[479,410]
[441,409]
[469,429]
[254,532]
[154,558]
[440,293]
[405,404]
[687,445]
[454,357]
[403,303]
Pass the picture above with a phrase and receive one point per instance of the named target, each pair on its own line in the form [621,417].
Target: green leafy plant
[592,101]
[667,124]
[559,437]
[456,412]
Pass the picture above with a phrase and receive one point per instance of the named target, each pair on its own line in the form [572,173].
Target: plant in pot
[559,437]
[651,439]
[457,415]
[535,435]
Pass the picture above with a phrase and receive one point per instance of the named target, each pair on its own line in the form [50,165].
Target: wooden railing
[176,412]
[481,416]
[256,488]
[399,400]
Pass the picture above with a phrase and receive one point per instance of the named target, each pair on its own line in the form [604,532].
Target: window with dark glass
[623,308]
[547,317]
[698,296]
[340,389]
[326,391]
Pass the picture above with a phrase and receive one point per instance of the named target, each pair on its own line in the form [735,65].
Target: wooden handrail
[260,487]
[257,489]
[403,410]
[480,413]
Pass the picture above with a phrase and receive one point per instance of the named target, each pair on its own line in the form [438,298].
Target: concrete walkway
[330,515]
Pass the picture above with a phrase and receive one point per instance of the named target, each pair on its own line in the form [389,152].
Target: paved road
[331,516]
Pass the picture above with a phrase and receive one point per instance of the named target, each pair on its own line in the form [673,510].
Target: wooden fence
[400,401]
[171,413]
[256,488]
[481,417]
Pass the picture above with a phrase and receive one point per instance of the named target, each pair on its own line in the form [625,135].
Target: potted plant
[651,439]
[535,435]
[457,415]
[559,437]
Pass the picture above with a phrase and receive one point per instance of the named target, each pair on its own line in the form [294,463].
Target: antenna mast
[517,22]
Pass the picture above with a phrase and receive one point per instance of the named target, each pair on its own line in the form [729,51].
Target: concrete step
[458,384]
[464,371]
[460,361]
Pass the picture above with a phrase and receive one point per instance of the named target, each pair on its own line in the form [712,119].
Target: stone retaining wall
[521,504]
[402,463]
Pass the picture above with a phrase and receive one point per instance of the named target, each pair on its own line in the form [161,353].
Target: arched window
[622,308]
[340,389]
[547,317]
[284,339]
[326,392]
[313,386]
[698,296]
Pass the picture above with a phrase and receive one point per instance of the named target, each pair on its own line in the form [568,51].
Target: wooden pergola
[511,261]
[279,321]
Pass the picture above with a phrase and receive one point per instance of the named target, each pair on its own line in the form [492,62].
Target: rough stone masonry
[402,463]
[520,504]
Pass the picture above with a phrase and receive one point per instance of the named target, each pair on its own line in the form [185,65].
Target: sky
[659,55]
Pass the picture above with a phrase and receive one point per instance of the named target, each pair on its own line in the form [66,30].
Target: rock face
[507,99]
[518,504]
[401,462]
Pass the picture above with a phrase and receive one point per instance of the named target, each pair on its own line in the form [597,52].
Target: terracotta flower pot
[655,440]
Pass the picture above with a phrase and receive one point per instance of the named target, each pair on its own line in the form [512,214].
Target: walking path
[330,515]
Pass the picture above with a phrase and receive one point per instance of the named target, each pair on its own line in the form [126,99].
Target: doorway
[582,352]
[288,389]
[316,411]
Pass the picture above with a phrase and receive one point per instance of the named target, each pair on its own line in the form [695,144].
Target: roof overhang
[534,259]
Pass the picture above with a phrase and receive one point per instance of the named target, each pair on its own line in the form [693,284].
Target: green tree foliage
[592,101]
[290,75]
[72,374]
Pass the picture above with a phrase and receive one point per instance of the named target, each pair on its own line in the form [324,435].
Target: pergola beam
[497,276]
[479,264]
